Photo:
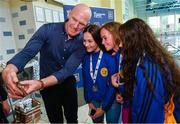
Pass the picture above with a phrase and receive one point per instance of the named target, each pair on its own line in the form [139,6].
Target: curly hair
[138,38]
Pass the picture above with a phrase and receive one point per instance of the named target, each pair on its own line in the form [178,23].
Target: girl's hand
[91,106]
[114,79]
[119,98]
[99,112]
[30,86]
[6,107]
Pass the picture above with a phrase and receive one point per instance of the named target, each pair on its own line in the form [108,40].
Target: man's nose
[76,24]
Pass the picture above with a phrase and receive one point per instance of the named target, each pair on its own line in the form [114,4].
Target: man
[61,51]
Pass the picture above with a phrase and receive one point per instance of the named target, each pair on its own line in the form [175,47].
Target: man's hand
[10,79]
[30,86]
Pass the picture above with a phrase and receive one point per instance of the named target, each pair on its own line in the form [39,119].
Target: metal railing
[176,50]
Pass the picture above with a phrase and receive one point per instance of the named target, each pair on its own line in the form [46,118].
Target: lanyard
[119,68]
[94,76]
[120,60]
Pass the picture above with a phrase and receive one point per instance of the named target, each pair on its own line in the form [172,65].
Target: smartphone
[92,112]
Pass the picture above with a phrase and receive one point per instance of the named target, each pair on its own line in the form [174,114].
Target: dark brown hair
[138,38]
[94,30]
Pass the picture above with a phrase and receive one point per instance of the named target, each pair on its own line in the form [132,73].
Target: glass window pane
[154,23]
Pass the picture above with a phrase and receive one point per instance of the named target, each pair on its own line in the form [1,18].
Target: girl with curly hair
[151,74]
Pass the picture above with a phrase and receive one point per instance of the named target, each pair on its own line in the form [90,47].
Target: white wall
[7,43]
[19,19]
[22,32]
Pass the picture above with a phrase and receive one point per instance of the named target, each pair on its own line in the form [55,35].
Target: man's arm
[17,63]
[71,65]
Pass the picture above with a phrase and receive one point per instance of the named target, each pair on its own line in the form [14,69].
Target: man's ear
[69,14]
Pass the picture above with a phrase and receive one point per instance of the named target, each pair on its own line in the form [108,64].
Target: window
[177,22]
[154,23]
[167,23]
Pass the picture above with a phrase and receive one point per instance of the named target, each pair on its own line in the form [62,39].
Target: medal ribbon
[94,76]
[119,68]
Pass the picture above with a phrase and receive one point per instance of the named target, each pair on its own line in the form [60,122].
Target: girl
[152,77]
[97,68]
[112,42]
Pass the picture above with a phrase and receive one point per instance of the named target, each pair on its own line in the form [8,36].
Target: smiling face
[89,43]
[76,24]
[108,40]
[77,20]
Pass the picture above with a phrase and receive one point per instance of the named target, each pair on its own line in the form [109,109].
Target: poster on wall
[55,16]
[39,14]
[99,17]
[48,15]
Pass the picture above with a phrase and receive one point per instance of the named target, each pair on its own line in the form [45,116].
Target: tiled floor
[83,117]
[83,114]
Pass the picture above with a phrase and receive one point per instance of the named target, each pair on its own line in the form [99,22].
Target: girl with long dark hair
[152,76]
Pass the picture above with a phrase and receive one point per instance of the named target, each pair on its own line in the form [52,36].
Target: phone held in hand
[92,112]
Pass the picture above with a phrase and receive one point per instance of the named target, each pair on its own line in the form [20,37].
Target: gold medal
[94,88]
[104,72]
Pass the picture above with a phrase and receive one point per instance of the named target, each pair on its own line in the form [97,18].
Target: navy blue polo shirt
[59,56]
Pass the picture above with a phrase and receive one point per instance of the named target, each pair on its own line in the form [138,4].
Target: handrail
[169,44]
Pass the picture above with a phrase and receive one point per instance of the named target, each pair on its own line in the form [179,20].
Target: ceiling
[151,5]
